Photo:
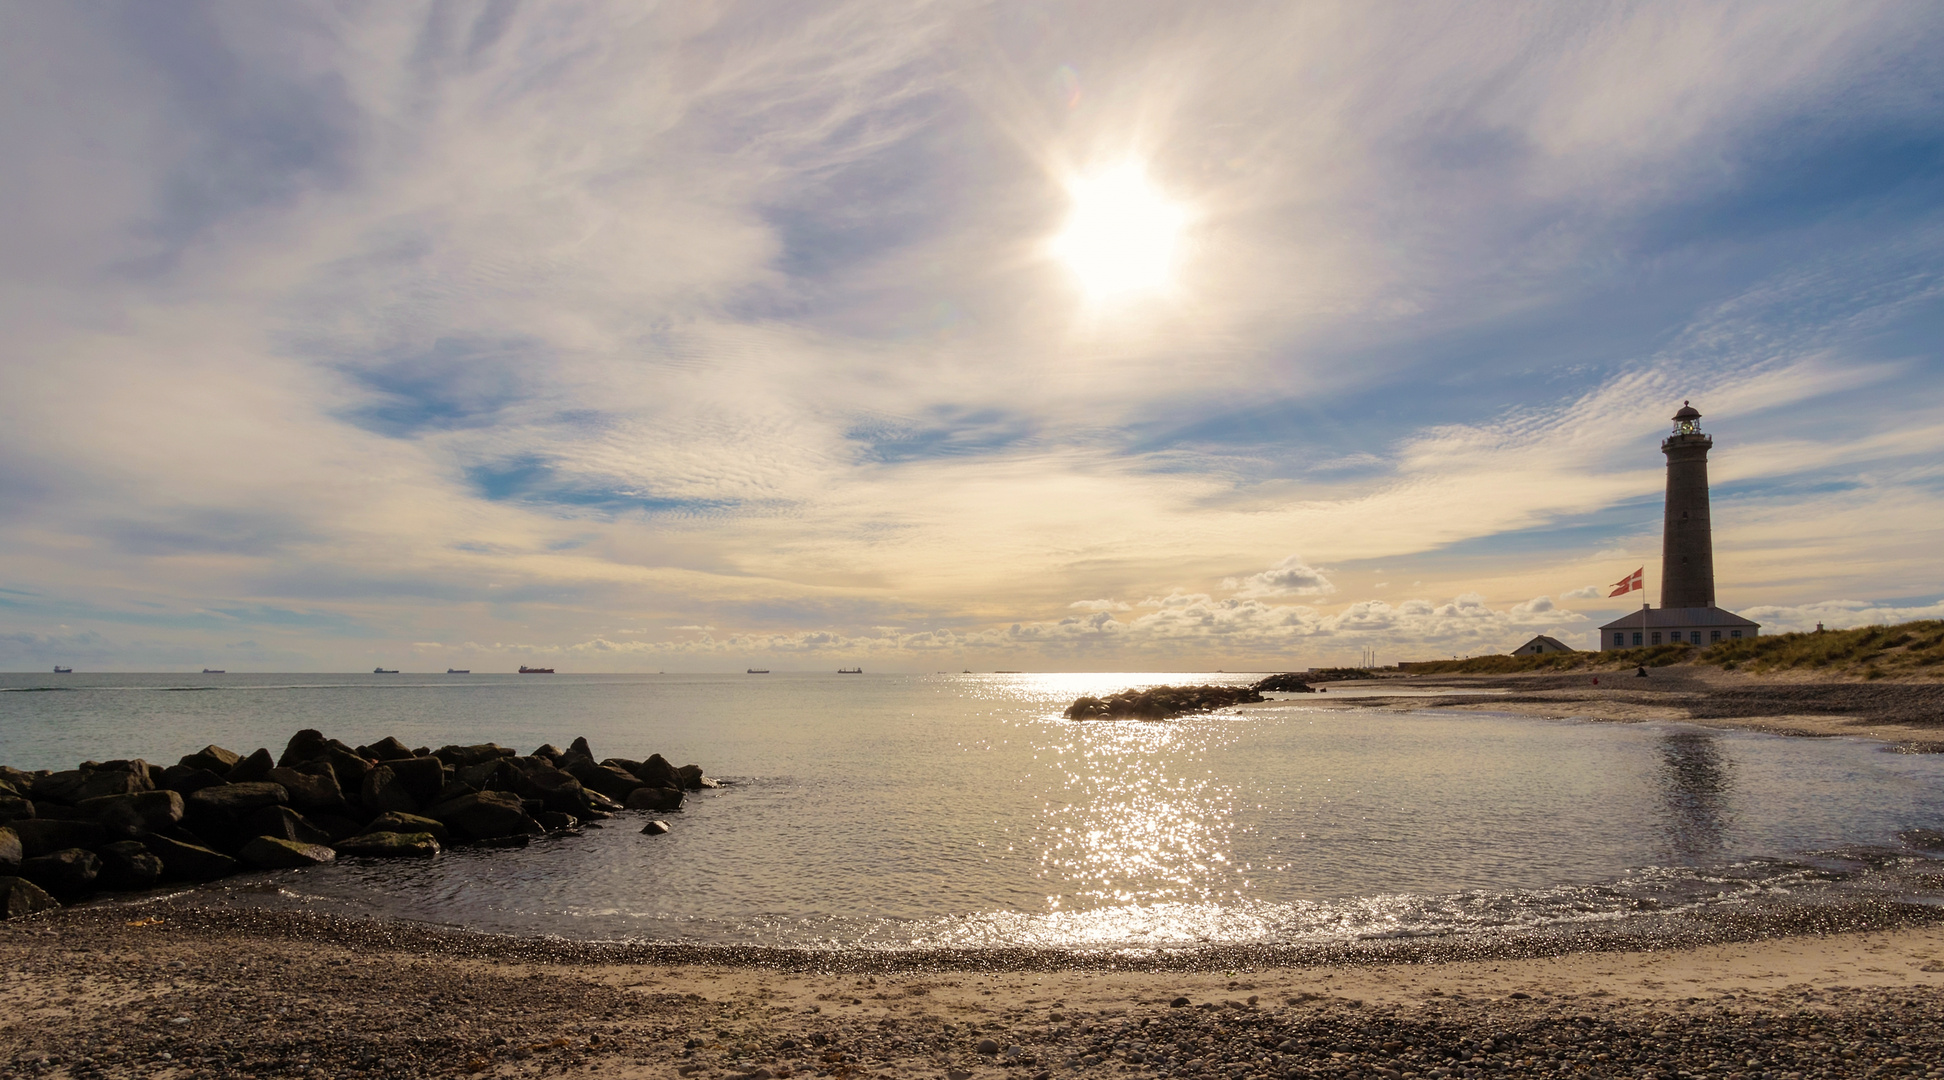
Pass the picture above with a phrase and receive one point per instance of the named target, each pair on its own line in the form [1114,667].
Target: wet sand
[164,990]
[1910,714]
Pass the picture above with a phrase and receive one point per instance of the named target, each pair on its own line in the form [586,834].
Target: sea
[961,811]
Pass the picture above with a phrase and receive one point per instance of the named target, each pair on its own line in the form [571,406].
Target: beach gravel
[164,990]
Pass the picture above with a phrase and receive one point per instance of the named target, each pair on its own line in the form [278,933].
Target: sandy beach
[168,991]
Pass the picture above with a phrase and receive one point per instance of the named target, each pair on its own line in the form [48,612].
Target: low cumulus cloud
[1584,592]
[1100,605]
[1290,577]
[1838,615]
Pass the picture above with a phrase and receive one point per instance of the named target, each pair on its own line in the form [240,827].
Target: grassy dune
[1646,656]
[1905,650]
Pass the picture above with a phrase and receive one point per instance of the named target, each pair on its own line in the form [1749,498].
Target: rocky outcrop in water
[127,824]
[1160,702]
[1288,682]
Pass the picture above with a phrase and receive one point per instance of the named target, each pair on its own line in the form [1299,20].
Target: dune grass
[1645,656]
[1912,650]
[1902,650]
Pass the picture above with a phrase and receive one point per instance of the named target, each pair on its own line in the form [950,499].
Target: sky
[939,335]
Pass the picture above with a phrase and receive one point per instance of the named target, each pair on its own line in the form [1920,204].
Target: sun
[1122,237]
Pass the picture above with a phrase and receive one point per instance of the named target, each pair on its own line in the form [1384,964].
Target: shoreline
[179,992]
[1908,715]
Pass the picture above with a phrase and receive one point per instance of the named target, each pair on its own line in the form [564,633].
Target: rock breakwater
[128,824]
[1160,702]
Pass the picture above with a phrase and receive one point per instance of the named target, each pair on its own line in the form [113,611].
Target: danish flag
[1627,584]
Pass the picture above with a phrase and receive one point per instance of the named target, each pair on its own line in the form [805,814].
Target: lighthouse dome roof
[1688,412]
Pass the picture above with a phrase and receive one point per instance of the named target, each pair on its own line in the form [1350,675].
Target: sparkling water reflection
[899,812]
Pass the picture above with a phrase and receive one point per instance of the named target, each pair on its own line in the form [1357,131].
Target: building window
[1714,635]
[1654,637]
[1636,637]
[1619,640]
[1695,637]
[1736,634]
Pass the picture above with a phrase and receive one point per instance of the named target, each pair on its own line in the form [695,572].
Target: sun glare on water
[1122,237]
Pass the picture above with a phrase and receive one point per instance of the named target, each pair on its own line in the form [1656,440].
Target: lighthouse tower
[1687,615]
[1687,540]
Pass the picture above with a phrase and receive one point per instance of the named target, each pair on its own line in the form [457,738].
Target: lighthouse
[1687,614]
[1687,539]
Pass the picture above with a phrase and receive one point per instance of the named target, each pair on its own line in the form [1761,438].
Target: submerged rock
[1160,702]
[409,823]
[275,853]
[389,845]
[654,828]
[659,800]
[486,816]
[1287,683]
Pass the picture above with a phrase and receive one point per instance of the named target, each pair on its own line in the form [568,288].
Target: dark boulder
[336,826]
[452,789]
[137,813]
[549,751]
[57,787]
[385,749]
[660,800]
[252,769]
[10,850]
[409,823]
[654,828]
[485,816]
[612,782]
[535,778]
[389,845]
[285,824]
[692,778]
[422,777]
[113,778]
[212,758]
[188,779]
[14,807]
[555,821]
[1287,683]
[274,853]
[44,836]
[128,864]
[658,771]
[579,746]
[312,790]
[459,757]
[307,745]
[68,874]
[236,799]
[384,792]
[20,898]
[183,861]
[347,767]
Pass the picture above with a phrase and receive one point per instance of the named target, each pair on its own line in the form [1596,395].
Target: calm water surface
[961,810]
